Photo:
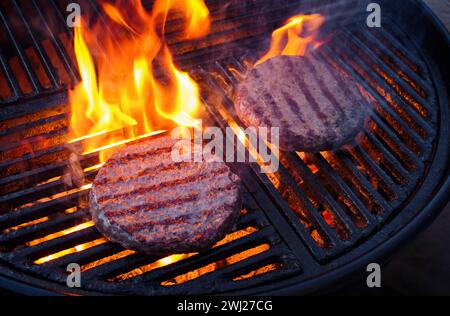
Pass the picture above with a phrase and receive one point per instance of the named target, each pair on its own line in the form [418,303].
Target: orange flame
[295,37]
[130,83]
[196,14]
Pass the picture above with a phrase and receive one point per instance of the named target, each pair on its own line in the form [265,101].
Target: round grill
[317,221]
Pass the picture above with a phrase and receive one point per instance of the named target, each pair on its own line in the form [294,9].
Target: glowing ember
[130,83]
[263,270]
[175,258]
[61,233]
[152,266]
[111,258]
[295,37]
[306,160]
[28,224]
[69,251]
[236,235]
[171,259]
[319,239]
[329,218]
[192,275]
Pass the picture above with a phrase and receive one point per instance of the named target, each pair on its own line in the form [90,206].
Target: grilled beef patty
[315,106]
[144,201]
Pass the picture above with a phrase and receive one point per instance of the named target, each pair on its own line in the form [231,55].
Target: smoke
[248,24]
[74,175]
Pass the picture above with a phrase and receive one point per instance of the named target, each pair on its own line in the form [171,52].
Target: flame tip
[119,88]
[289,40]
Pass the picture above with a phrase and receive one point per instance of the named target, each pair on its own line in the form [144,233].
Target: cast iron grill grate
[341,198]
[317,213]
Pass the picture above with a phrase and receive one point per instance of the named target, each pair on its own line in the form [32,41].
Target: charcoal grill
[315,223]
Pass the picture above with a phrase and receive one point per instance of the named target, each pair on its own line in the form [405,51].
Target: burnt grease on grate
[316,208]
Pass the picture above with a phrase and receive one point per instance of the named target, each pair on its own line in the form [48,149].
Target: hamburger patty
[315,106]
[144,201]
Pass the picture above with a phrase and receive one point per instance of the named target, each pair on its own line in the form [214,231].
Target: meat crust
[145,201]
[315,106]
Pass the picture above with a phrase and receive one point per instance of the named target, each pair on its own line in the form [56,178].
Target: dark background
[423,266]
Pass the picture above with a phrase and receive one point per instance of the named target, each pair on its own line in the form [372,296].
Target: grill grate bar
[406,87]
[25,128]
[253,219]
[29,108]
[41,210]
[13,84]
[117,267]
[387,156]
[249,30]
[62,54]
[35,176]
[262,190]
[86,256]
[313,213]
[384,177]
[323,195]
[64,221]
[418,164]
[49,69]
[60,15]
[34,193]
[322,164]
[219,277]
[271,255]
[375,196]
[413,113]
[424,84]
[396,35]
[58,244]
[210,256]
[383,102]
[289,269]
[11,166]
[30,73]
[229,16]
[57,136]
